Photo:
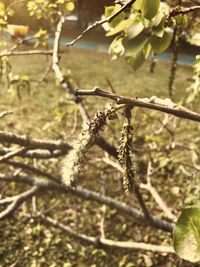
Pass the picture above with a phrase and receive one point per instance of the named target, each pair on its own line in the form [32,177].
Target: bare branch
[100,22]
[8,137]
[166,105]
[182,10]
[17,201]
[59,75]
[148,186]
[48,69]
[5,113]
[32,169]
[13,153]
[90,195]
[37,154]
[106,243]
[26,53]
[101,142]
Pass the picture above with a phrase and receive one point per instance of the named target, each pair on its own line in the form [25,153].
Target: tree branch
[5,113]
[8,137]
[101,142]
[59,75]
[37,154]
[13,153]
[100,22]
[90,195]
[32,169]
[182,10]
[17,201]
[155,103]
[25,53]
[103,242]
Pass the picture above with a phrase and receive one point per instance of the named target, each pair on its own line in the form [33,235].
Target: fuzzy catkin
[126,157]
[72,162]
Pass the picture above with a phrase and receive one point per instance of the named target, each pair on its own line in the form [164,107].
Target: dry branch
[45,184]
[155,103]
[103,242]
[17,201]
[5,113]
[37,154]
[182,10]
[25,53]
[100,22]
[10,138]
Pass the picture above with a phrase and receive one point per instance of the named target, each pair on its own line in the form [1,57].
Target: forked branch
[103,242]
[155,103]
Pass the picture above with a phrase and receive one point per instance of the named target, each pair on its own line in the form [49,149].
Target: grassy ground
[88,69]
[47,113]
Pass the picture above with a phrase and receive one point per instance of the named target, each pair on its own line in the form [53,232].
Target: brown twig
[37,154]
[155,103]
[101,142]
[25,53]
[13,153]
[103,242]
[148,186]
[182,10]
[8,137]
[100,22]
[17,201]
[45,184]
[5,113]
[58,73]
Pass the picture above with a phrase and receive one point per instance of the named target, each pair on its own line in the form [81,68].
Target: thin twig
[45,184]
[155,103]
[100,22]
[18,200]
[148,186]
[101,142]
[37,154]
[25,53]
[32,169]
[58,73]
[103,242]
[8,137]
[5,113]
[182,10]
[13,153]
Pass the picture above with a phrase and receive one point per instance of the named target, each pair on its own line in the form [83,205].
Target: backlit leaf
[158,44]
[149,8]
[186,236]
[124,24]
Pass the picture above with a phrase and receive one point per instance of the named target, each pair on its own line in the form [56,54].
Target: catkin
[126,156]
[71,164]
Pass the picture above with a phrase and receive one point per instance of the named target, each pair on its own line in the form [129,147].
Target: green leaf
[116,48]
[159,29]
[149,8]
[138,51]
[111,10]
[157,19]
[186,236]
[135,44]
[135,29]
[136,59]
[158,44]
[121,26]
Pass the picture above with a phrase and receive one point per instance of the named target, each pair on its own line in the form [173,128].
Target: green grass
[89,69]
[48,113]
